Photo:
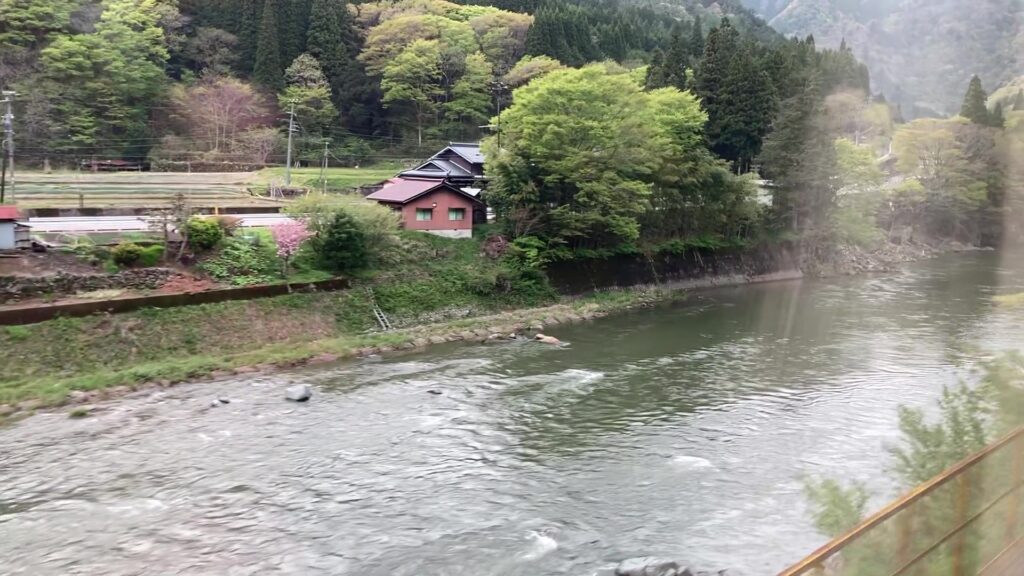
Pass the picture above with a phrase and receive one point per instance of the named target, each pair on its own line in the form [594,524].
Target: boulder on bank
[650,566]
[300,393]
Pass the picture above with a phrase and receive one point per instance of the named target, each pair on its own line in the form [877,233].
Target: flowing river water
[680,431]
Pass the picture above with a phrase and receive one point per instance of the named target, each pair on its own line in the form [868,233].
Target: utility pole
[8,147]
[291,128]
[323,167]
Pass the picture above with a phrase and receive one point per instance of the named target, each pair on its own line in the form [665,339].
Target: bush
[243,262]
[204,233]
[379,224]
[126,253]
[151,255]
[343,245]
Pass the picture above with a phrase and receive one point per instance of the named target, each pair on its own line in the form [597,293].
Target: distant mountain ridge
[921,53]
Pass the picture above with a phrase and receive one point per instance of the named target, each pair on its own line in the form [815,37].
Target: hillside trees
[101,84]
[586,151]
[267,68]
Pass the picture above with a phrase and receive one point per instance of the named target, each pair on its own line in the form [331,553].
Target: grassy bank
[435,290]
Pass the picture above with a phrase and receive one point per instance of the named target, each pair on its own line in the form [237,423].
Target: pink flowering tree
[289,237]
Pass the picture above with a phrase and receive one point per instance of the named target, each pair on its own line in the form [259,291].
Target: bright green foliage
[126,253]
[954,162]
[836,509]
[386,41]
[267,68]
[928,449]
[858,168]
[575,139]
[26,23]
[308,90]
[343,245]
[530,67]
[204,233]
[378,224]
[151,255]
[411,82]
[102,83]
[584,153]
[470,100]
[244,261]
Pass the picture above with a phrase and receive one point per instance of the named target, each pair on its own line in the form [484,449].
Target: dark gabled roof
[405,190]
[470,151]
[447,167]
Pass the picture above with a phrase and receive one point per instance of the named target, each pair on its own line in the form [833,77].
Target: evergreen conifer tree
[697,38]
[675,59]
[974,108]
[247,33]
[292,18]
[267,69]
[1018,101]
[996,119]
[656,71]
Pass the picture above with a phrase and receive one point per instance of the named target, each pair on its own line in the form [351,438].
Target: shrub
[204,233]
[126,253]
[343,245]
[151,255]
[378,223]
[242,262]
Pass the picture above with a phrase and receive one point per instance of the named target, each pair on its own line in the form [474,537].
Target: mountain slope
[921,53]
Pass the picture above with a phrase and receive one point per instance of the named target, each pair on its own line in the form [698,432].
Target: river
[680,431]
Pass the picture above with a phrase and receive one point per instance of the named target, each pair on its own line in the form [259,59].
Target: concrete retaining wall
[43,312]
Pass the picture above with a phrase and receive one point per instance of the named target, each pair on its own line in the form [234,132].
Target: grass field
[157,189]
[338,179]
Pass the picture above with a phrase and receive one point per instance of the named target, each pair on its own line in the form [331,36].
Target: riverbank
[26,395]
[84,360]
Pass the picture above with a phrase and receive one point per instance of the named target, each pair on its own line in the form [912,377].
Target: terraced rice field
[137,190]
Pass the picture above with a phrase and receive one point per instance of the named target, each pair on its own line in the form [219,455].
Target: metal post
[963,492]
[323,168]
[1013,514]
[291,128]
[8,96]
[7,149]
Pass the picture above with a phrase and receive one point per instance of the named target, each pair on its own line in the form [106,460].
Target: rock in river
[299,393]
[650,566]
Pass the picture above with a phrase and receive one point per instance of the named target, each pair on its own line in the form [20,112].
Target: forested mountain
[920,52]
[183,80]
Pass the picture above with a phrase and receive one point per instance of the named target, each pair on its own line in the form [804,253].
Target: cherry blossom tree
[289,237]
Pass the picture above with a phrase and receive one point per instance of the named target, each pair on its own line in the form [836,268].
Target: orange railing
[968,521]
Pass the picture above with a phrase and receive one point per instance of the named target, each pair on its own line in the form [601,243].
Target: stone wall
[13,288]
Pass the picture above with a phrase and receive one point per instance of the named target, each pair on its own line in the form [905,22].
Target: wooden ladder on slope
[382,319]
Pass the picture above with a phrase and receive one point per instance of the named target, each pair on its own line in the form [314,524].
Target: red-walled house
[431,205]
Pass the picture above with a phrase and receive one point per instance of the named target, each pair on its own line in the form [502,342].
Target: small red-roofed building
[432,205]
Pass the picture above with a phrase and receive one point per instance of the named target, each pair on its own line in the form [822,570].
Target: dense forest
[213,80]
[610,126]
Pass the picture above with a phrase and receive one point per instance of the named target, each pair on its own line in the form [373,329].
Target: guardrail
[965,522]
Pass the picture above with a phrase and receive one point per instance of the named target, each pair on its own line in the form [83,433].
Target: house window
[424,214]
[456,213]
